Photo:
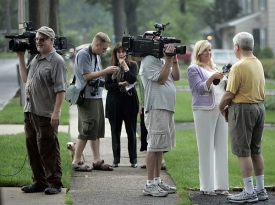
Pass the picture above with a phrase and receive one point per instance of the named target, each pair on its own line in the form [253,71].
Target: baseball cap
[47,31]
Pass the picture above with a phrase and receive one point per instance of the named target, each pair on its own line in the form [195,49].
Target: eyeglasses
[103,47]
[41,39]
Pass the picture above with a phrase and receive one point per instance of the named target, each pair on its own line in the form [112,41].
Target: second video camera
[60,42]
[141,46]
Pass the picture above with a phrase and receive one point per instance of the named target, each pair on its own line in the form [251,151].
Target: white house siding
[271,24]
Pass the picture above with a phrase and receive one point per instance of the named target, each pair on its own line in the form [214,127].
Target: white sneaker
[154,190]
[243,197]
[166,187]
[262,195]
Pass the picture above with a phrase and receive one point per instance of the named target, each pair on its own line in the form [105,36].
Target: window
[262,5]
[259,37]
[248,6]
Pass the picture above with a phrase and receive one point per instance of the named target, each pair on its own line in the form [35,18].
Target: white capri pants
[212,142]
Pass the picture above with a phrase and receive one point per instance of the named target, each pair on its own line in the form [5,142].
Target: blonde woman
[211,127]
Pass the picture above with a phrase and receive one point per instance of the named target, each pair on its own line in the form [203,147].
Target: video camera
[142,46]
[225,70]
[60,42]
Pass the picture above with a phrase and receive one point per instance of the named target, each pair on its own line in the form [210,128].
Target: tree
[121,9]
[220,12]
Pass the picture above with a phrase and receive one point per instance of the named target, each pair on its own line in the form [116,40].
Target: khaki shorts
[246,124]
[161,130]
[91,121]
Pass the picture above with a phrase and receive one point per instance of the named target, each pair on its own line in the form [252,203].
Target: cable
[9,175]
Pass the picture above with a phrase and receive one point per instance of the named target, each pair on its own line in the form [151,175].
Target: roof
[238,21]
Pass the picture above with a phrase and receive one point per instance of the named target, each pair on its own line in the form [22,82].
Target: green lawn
[182,163]
[14,166]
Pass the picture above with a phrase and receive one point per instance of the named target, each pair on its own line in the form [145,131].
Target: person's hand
[55,119]
[111,69]
[123,84]
[218,75]
[20,54]
[225,113]
[169,49]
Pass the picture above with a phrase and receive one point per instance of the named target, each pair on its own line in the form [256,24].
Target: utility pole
[21,19]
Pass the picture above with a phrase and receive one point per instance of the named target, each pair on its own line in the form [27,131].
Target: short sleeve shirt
[84,64]
[156,96]
[46,77]
[246,80]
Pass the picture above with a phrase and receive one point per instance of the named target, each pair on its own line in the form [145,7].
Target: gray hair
[244,40]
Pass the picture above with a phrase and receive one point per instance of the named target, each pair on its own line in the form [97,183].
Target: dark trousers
[143,133]
[43,151]
[130,127]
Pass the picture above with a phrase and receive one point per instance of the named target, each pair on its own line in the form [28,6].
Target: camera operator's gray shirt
[83,65]
[156,96]
[46,77]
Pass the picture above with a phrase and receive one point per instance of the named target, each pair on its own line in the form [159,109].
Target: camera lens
[16,45]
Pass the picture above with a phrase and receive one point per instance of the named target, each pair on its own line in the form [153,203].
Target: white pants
[212,142]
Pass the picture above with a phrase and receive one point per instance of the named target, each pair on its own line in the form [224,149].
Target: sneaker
[32,189]
[134,165]
[243,197]
[153,190]
[262,195]
[52,190]
[166,187]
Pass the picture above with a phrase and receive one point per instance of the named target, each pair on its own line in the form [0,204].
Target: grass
[182,163]
[13,113]
[14,167]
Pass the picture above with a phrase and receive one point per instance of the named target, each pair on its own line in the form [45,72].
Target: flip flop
[82,168]
[102,166]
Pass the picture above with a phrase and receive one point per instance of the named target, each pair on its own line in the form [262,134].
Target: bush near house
[269,67]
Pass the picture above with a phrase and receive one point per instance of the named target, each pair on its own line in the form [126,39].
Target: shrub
[266,52]
[269,67]
[269,102]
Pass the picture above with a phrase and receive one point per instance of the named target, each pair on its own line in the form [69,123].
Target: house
[256,17]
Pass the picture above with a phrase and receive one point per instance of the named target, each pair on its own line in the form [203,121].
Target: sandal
[102,166]
[81,168]
[225,193]
[210,193]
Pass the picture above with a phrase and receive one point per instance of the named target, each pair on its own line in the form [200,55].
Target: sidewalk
[122,186]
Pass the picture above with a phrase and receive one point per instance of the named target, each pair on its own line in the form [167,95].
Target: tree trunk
[34,13]
[7,16]
[118,13]
[131,17]
[53,20]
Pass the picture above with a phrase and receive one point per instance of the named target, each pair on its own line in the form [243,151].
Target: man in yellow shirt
[242,105]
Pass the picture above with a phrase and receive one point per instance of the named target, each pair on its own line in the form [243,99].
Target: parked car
[186,58]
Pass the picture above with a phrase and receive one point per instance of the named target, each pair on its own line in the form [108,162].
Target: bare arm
[55,119]
[22,66]
[175,68]
[225,101]
[93,75]
[165,72]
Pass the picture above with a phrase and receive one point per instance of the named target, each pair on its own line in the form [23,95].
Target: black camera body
[60,42]
[95,84]
[141,47]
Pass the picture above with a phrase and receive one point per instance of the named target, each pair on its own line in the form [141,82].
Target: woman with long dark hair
[122,102]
